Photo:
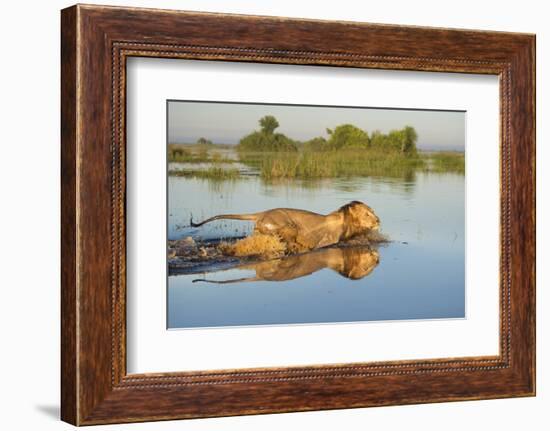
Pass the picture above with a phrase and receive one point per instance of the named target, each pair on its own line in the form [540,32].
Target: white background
[151,348]
[29,229]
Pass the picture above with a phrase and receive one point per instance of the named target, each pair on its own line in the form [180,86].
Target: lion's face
[359,263]
[363,217]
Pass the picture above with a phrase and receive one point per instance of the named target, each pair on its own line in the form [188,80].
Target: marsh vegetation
[347,152]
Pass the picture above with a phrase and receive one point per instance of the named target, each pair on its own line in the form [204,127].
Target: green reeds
[214,173]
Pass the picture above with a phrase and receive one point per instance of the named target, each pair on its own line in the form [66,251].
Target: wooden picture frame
[95,43]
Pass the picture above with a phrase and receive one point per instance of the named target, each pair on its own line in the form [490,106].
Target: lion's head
[358,219]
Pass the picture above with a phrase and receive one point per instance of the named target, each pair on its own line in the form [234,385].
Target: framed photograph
[265,214]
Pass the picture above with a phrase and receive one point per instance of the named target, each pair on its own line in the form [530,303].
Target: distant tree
[265,139]
[261,141]
[268,124]
[204,141]
[348,136]
[394,140]
[342,137]
[408,145]
[316,144]
[402,140]
[378,139]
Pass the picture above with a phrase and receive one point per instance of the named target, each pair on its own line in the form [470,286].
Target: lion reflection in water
[352,263]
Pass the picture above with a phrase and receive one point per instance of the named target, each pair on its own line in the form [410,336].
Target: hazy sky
[226,123]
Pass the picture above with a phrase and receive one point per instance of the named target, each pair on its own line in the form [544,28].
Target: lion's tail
[236,280]
[249,217]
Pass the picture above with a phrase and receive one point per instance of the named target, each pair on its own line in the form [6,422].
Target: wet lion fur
[301,230]
[265,246]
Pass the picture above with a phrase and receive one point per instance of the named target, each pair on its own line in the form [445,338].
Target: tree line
[342,137]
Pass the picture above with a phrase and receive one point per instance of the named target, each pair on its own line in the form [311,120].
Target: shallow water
[419,274]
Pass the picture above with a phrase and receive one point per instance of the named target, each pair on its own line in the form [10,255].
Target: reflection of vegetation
[215,173]
[447,162]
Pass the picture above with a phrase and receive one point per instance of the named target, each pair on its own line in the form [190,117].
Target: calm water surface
[420,274]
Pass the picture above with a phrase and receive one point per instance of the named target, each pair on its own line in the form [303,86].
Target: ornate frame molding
[96,41]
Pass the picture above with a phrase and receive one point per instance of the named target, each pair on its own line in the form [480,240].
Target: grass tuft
[447,162]
[214,173]
[331,164]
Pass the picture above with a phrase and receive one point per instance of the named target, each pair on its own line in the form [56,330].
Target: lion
[303,230]
[352,263]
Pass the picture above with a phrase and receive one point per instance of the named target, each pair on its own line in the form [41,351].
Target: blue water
[420,274]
